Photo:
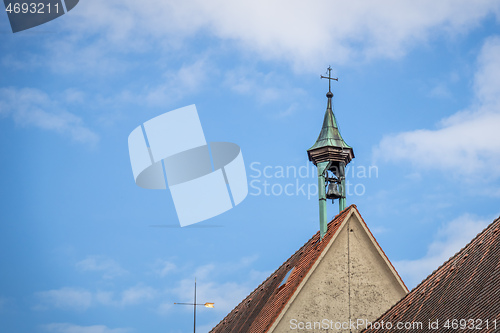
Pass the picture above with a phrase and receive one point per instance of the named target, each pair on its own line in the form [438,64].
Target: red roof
[466,287]
[261,308]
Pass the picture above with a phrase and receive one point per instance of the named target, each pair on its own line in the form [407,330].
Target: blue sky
[85,250]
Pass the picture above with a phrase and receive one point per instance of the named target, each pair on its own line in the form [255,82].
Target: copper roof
[330,134]
[257,312]
[466,287]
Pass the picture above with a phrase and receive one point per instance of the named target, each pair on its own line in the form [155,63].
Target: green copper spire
[329,135]
[330,154]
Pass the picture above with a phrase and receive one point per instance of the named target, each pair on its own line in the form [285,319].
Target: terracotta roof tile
[466,286]
[257,312]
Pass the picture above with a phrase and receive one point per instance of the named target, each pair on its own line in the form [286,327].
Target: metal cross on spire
[330,78]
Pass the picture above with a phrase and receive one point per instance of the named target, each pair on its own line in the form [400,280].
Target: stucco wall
[324,297]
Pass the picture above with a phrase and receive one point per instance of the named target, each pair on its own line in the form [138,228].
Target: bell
[333,191]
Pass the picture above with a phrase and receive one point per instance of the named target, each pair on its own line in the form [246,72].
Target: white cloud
[440,90]
[447,241]
[306,34]
[266,87]
[176,84]
[107,266]
[105,298]
[164,267]
[34,108]
[131,296]
[65,299]
[137,294]
[164,308]
[466,143]
[225,284]
[71,55]
[70,328]
[165,89]
[77,299]
[487,80]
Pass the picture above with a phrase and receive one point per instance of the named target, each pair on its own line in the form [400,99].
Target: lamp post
[207,305]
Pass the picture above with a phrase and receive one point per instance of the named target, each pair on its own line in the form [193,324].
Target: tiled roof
[466,287]
[261,308]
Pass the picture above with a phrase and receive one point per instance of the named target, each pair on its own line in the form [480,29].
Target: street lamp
[207,305]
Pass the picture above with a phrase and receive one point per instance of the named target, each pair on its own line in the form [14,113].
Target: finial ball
[329,94]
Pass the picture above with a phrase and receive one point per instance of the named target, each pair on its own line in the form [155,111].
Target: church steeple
[330,153]
[329,135]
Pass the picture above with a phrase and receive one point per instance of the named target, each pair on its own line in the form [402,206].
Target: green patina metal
[330,153]
[342,201]
[322,167]
[330,134]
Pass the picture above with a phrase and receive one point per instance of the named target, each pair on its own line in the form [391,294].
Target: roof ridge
[481,233]
[340,215]
[310,241]
[255,289]
[459,251]
[380,247]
